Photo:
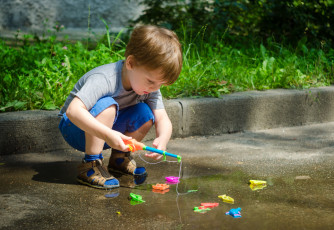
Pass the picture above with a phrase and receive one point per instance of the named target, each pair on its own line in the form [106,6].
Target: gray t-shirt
[106,80]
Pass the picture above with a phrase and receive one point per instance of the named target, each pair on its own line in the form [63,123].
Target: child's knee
[132,118]
[108,115]
[111,111]
[144,128]
[105,105]
[145,111]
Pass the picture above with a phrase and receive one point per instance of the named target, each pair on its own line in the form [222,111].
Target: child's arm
[163,127]
[79,115]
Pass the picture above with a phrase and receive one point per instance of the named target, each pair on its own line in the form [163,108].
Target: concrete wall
[36,15]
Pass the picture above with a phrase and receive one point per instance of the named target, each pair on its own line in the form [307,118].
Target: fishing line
[180,170]
[177,185]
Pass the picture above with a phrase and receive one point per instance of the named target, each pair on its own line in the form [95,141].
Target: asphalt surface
[39,190]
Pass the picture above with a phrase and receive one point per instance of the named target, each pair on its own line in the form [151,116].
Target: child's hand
[158,144]
[115,140]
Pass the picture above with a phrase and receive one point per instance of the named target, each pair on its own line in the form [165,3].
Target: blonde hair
[155,47]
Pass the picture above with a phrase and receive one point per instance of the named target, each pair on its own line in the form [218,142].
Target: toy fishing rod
[134,145]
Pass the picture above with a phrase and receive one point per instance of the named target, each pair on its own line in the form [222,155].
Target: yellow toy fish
[257,184]
[226,199]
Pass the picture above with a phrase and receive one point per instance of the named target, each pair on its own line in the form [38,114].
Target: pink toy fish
[172,179]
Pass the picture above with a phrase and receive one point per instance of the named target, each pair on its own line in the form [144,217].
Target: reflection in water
[130,181]
[139,179]
[160,191]
[135,202]
[112,194]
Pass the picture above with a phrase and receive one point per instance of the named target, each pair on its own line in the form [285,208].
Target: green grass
[216,69]
[41,73]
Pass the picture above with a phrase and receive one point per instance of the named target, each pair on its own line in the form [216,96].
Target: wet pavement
[39,191]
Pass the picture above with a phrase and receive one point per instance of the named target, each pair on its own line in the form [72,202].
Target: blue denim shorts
[127,120]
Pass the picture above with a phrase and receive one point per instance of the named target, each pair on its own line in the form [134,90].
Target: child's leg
[134,121]
[92,172]
[141,132]
[94,145]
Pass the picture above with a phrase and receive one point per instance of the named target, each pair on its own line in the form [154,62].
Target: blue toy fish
[234,212]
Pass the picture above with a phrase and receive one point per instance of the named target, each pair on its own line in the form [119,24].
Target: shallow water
[288,202]
[39,191]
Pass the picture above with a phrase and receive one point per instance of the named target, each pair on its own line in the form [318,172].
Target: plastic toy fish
[134,145]
[209,205]
[135,197]
[201,209]
[234,212]
[205,207]
[173,179]
[258,182]
[160,186]
[257,187]
[226,199]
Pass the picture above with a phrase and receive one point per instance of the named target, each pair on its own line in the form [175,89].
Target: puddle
[299,198]
[286,202]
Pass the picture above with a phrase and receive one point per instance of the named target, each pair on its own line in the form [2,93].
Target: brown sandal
[95,174]
[123,163]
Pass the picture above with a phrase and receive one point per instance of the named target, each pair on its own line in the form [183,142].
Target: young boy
[121,101]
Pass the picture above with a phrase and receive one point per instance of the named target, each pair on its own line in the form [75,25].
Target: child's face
[143,80]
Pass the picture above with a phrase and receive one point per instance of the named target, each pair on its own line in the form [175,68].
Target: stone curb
[37,131]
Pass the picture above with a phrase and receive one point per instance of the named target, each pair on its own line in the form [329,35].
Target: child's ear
[130,62]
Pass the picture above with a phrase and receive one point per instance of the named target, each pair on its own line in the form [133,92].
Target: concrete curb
[37,131]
